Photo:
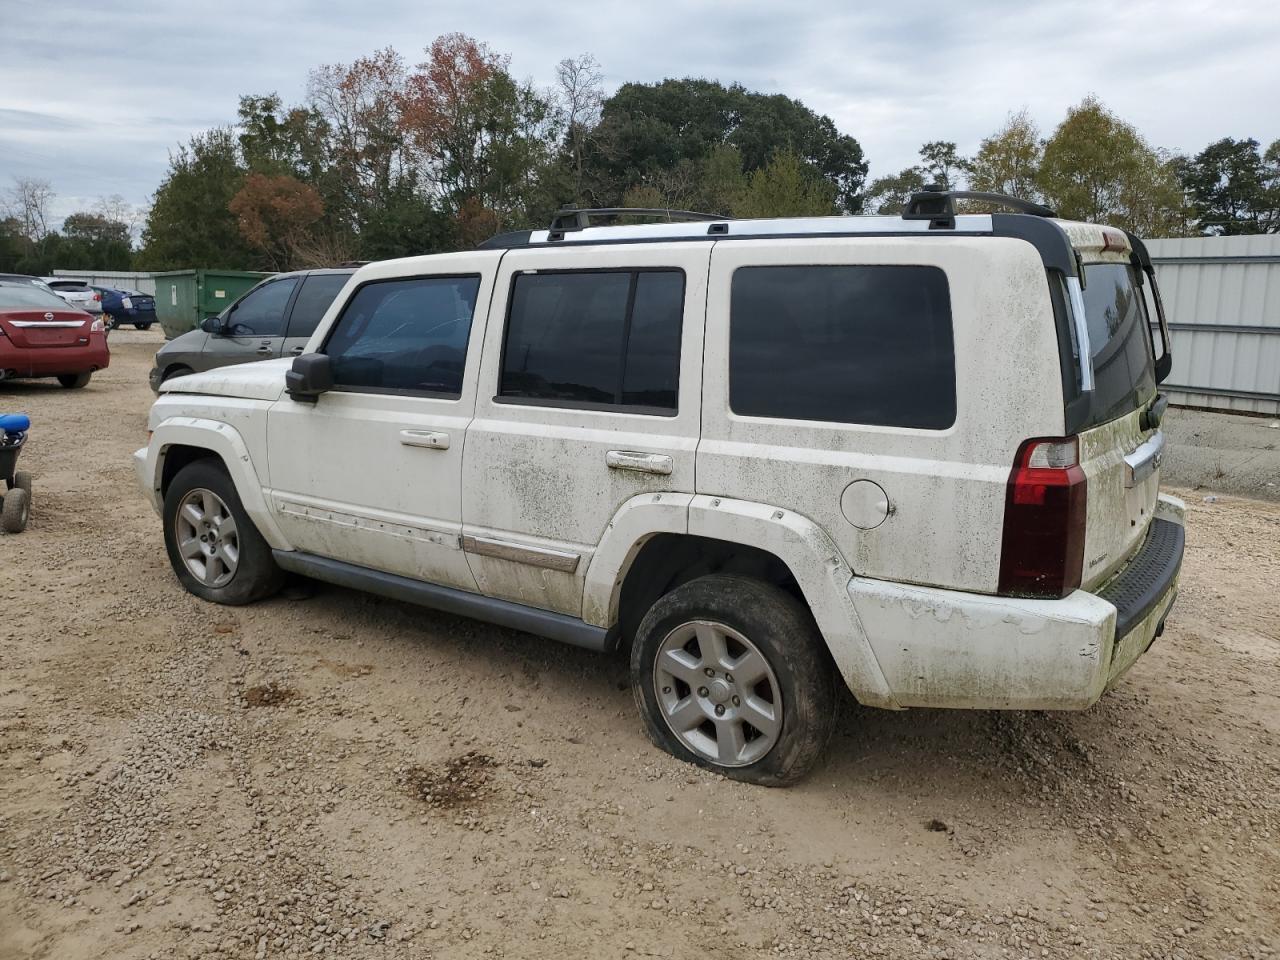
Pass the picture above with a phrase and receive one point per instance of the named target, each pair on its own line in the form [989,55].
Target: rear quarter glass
[1119,342]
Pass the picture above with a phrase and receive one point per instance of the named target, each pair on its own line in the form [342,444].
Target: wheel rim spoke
[191,548]
[731,741]
[687,715]
[760,715]
[750,669]
[192,514]
[711,642]
[682,665]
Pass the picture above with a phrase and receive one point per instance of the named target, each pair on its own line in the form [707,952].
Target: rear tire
[74,381]
[142,326]
[214,548]
[768,725]
[16,511]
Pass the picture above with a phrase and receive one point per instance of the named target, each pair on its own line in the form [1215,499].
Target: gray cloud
[94,94]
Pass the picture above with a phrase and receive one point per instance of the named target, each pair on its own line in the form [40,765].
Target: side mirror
[312,375]
[211,325]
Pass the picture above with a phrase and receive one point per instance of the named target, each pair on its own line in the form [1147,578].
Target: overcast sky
[95,93]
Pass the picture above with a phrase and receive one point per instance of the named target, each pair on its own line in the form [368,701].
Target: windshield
[1123,368]
[26,296]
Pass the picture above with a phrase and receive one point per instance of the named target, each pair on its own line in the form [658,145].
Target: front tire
[731,674]
[74,381]
[214,548]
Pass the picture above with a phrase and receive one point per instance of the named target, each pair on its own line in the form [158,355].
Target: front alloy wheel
[207,538]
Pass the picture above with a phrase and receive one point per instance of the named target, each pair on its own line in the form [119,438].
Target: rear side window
[846,344]
[317,293]
[405,336]
[1123,369]
[595,339]
[260,313]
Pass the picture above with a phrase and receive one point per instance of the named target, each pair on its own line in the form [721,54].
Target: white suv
[918,454]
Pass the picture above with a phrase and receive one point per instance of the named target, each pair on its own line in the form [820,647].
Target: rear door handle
[639,462]
[297,351]
[431,439]
[265,347]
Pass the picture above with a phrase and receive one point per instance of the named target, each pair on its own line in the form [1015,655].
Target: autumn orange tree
[276,216]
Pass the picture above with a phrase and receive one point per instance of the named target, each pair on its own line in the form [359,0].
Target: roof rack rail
[579,218]
[937,203]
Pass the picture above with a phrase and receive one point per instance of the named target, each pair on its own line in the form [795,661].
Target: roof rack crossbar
[579,218]
[938,204]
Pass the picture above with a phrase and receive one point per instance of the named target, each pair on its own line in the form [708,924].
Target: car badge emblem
[48,316]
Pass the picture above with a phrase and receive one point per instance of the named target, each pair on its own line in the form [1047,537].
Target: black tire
[74,381]
[142,326]
[22,481]
[113,324]
[256,575]
[16,511]
[178,371]
[784,633]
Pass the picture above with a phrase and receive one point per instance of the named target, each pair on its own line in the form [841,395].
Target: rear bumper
[51,361]
[943,648]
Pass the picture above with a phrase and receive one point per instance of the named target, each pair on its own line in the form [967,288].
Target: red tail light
[1042,550]
[97,297]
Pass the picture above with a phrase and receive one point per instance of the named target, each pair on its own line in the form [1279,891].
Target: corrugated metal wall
[1222,298]
[142,282]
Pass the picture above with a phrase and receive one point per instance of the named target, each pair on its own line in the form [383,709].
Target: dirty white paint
[948,486]
[899,582]
[542,475]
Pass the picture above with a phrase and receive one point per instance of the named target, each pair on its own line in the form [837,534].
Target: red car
[42,336]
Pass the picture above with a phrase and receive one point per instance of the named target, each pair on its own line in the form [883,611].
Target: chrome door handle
[297,351]
[430,439]
[639,462]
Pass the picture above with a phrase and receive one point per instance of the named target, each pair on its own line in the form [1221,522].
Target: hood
[192,341]
[263,380]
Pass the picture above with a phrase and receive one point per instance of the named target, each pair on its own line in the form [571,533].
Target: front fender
[225,442]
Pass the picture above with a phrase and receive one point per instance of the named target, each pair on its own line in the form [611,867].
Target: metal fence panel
[1222,297]
[142,282]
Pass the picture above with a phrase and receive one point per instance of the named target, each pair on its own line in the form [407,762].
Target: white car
[78,293]
[918,455]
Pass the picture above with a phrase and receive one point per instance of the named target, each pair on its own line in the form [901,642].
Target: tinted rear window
[1123,371]
[595,338]
[27,296]
[315,297]
[848,344]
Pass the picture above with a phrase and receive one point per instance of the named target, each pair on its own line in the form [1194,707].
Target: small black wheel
[74,381]
[732,674]
[113,324]
[22,481]
[16,511]
[213,546]
[142,326]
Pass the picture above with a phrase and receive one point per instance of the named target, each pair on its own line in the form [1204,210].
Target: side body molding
[225,441]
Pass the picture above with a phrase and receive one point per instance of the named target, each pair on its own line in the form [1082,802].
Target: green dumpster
[185,297]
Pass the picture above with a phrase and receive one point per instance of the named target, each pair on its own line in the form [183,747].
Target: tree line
[382,158]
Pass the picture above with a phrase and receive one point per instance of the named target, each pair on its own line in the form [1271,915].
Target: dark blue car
[128,306]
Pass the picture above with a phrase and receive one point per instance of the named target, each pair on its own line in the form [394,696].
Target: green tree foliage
[647,131]
[1008,161]
[91,241]
[191,223]
[787,187]
[888,195]
[943,165]
[1234,188]
[1098,168]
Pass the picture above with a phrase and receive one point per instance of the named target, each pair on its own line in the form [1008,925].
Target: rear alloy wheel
[213,546]
[731,673]
[74,381]
[16,511]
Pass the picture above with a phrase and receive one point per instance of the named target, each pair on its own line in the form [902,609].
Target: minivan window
[595,339]
[405,336]
[1123,368]
[315,297]
[260,313]
[847,344]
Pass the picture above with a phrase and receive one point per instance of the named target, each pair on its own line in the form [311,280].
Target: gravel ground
[333,774]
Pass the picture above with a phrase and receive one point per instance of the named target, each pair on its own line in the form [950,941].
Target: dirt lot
[330,773]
